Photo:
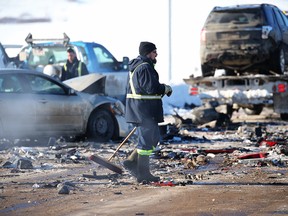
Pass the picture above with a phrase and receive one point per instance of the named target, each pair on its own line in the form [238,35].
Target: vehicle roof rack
[65,40]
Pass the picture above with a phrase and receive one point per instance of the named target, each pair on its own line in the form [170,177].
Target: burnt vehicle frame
[245,39]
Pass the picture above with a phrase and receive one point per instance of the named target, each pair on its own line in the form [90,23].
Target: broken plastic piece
[219,151]
[166,183]
[254,155]
[268,142]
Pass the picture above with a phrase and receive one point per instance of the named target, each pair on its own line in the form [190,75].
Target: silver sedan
[33,104]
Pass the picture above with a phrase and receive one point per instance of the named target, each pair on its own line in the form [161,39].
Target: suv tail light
[280,88]
[203,35]
[265,31]
[193,91]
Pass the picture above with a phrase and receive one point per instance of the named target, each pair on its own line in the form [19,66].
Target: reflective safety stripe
[145,152]
[79,68]
[139,96]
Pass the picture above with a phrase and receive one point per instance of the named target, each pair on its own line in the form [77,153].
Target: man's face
[71,56]
[152,55]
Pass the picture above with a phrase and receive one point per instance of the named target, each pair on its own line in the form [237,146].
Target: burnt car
[245,39]
[36,105]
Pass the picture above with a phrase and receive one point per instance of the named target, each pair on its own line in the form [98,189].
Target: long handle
[122,143]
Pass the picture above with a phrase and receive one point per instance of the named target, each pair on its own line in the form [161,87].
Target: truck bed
[242,90]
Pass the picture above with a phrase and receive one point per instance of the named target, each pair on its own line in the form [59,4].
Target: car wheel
[279,61]
[101,126]
[255,110]
[207,70]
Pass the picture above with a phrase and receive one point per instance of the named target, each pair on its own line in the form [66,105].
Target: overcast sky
[120,25]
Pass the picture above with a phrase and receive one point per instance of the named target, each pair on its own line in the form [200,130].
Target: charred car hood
[110,84]
[92,83]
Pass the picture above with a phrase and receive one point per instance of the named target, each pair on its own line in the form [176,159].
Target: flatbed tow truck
[250,92]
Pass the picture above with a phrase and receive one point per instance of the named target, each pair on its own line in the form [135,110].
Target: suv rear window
[252,17]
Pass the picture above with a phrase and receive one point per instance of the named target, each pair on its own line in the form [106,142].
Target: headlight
[118,108]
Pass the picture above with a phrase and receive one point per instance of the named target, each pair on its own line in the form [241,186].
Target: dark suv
[245,39]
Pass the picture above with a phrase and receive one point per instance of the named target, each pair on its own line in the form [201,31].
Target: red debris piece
[194,150]
[166,183]
[268,142]
[253,155]
[219,151]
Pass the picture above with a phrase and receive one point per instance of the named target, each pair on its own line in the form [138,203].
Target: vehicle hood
[92,83]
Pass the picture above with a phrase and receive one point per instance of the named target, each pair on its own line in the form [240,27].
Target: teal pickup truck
[97,58]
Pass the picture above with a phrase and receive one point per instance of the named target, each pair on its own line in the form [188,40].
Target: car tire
[255,110]
[207,70]
[101,126]
[278,63]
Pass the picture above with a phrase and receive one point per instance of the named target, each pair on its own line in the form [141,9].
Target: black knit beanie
[146,47]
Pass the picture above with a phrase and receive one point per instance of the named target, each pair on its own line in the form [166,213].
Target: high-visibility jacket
[74,69]
[144,92]
[79,69]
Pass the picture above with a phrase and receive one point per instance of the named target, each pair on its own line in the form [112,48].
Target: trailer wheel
[284,116]
[207,70]
[255,110]
[229,72]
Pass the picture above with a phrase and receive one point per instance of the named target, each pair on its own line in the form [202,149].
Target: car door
[17,113]
[57,110]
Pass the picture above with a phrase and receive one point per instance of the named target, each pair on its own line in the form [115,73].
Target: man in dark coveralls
[144,109]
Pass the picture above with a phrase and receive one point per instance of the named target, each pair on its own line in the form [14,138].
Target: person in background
[144,109]
[73,67]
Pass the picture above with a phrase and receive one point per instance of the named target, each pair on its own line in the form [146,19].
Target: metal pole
[169,41]
[123,142]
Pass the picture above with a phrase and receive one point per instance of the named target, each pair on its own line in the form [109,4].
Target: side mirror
[71,91]
[125,62]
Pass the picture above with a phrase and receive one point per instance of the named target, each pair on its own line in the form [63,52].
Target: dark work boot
[144,174]
[131,163]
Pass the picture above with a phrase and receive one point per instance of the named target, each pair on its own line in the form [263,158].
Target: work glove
[168,90]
